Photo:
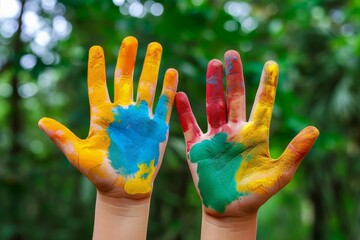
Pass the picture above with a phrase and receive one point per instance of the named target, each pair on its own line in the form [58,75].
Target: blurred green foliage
[43,61]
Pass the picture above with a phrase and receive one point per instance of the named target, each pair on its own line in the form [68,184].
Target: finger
[235,87]
[265,96]
[66,140]
[97,89]
[166,100]
[186,117]
[149,74]
[215,99]
[124,71]
[299,147]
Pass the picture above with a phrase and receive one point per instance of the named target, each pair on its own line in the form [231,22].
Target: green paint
[218,161]
[248,157]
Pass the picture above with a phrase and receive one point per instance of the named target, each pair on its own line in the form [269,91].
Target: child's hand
[126,142]
[230,164]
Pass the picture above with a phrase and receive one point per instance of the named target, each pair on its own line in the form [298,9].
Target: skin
[124,149]
[230,164]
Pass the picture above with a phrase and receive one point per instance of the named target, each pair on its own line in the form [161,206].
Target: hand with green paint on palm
[231,164]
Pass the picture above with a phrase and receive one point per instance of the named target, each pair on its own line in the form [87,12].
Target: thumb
[299,147]
[66,140]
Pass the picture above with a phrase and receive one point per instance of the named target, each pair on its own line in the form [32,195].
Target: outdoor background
[43,66]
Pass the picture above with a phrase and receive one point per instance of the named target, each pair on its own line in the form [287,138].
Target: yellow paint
[124,71]
[265,103]
[90,156]
[169,90]
[258,172]
[97,77]
[125,89]
[149,74]
[141,184]
[271,70]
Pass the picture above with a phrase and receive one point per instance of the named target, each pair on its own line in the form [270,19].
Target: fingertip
[42,122]
[233,64]
[94,50]
[313,130]
[155,47]
[182,103]
[180,94]
[271,66]
[186,117]
[49,126]
[232,54]
[215,63]
[46,123]
[310,134]
[180,99]
[214,72]
[172,72]
[130,40]
[171,79]
[301,145]
[272,72]
[129,48]
[96,58]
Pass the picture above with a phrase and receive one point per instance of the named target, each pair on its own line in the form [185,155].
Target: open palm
[126,141]
[231,164]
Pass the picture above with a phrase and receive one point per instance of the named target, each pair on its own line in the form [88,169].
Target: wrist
[120,217]
[125,207]
[229,227]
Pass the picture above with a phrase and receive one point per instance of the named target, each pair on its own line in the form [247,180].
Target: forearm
[228,227]
[120,218]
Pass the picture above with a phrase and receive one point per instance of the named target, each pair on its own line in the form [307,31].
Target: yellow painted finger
[97,89]
[66,140]
[166,101]
[124,70]
[149,74]
[265,96]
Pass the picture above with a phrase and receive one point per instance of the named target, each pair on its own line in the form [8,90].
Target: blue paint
[135,137]
[161,108]
[229,65]
[212,80]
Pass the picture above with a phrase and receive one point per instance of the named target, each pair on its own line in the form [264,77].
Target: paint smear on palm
[231,168]
[135,144]
[217,162]
[228,170]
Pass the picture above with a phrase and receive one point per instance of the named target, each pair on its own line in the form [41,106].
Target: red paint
[215,99]
[235,86]
[234,74]
[186,116]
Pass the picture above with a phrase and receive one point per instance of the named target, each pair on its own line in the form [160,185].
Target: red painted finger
[215,99]
[235,87]
[187,120]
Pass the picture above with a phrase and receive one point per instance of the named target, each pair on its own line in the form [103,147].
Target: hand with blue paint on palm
[124,149]
[231,164]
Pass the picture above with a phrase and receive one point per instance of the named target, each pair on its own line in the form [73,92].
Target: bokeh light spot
[28,61]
